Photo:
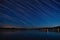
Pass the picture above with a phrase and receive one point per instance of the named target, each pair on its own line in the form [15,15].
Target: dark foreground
[29,35]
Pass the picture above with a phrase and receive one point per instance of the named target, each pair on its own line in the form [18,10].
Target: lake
[29,35]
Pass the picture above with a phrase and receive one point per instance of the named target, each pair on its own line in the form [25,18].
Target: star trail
[36,13]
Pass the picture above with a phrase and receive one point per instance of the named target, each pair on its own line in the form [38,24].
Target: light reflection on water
[30,34]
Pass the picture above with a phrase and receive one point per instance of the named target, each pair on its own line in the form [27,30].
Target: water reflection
[30,35]
[21,31]
[8,32]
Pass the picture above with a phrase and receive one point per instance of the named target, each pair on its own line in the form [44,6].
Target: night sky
[36,13]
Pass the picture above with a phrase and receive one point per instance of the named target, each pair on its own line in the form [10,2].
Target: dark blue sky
[30,12]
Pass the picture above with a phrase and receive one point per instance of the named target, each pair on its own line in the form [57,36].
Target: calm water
[29,35]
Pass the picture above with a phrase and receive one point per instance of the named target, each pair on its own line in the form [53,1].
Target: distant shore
[53,29]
